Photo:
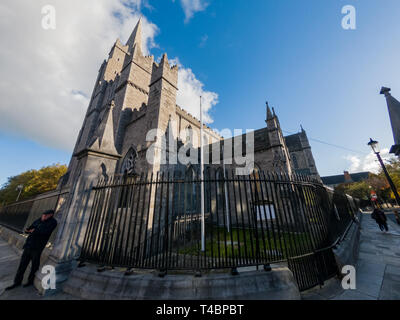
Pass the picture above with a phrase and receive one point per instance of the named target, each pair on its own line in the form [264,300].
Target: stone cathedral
[134,94]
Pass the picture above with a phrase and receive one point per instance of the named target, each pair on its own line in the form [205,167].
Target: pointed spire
[164,59]
[136,36]
[103,139]
[269,113]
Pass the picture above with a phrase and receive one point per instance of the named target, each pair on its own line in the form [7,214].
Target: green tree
[375,182]
[359,190]
[34,182]
[393,168]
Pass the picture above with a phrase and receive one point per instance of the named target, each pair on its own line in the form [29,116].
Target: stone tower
[301,154]
[278,149]
[132,95]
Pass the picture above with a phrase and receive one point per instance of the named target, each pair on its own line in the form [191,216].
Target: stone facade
[133,98]
[301,155]
[132,95]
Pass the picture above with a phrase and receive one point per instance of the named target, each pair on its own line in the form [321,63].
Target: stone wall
[346,252]
[278,284]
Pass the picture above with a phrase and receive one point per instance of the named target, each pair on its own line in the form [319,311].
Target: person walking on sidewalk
[39,233]
[380,218]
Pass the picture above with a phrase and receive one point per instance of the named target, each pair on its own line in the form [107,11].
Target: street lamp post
[375,148]
[20,187]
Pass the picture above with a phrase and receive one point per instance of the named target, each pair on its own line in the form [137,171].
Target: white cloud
[190,90]
[355,163]
[203,41]
[190,7]
[367,163]
[48,75]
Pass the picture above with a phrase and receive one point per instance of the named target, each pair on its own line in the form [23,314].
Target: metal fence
[20,215]
[154,222]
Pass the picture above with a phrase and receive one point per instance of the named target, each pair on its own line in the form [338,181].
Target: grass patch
[244,243]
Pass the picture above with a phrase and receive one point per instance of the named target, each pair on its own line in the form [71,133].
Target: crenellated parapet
[196,122]
[164,70]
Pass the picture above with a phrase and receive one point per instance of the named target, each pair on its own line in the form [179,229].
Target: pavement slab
[9,262]
[377,270]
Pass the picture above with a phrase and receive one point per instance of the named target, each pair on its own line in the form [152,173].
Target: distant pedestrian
[39,233]
[397,216]
[380,218]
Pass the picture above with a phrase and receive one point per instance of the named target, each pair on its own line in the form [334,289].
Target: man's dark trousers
[29,255]
[383,226]
[34,246]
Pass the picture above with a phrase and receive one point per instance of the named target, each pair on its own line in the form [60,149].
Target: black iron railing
[154,222]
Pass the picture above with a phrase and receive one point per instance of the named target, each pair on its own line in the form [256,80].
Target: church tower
[132,95]
[280,155]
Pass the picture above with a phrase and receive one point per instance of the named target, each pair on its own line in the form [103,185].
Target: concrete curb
[278,284]
[348,249]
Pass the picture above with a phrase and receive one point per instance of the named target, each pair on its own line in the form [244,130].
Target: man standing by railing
[39,233]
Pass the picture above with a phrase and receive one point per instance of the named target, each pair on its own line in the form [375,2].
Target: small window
[295,163]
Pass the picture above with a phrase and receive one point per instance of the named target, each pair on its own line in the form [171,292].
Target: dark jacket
[379,216]
[37,240]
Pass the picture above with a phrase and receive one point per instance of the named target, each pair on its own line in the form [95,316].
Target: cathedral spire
[136,36]
[269,113]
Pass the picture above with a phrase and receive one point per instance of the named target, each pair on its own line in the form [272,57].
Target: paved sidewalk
[9,261]
[378,267]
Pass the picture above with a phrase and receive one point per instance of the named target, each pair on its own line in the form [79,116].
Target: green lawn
[236,241]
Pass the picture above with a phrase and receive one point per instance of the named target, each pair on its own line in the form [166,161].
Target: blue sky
[295,54]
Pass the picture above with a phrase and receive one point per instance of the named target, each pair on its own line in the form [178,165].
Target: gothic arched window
[221,186]
[189,135]
[256,182]
[129,163]
[191,190]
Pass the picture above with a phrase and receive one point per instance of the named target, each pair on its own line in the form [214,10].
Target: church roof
[339,179]
[293,141]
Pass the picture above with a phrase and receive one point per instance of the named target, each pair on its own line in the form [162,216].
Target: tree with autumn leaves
[34,182]
[375,182]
